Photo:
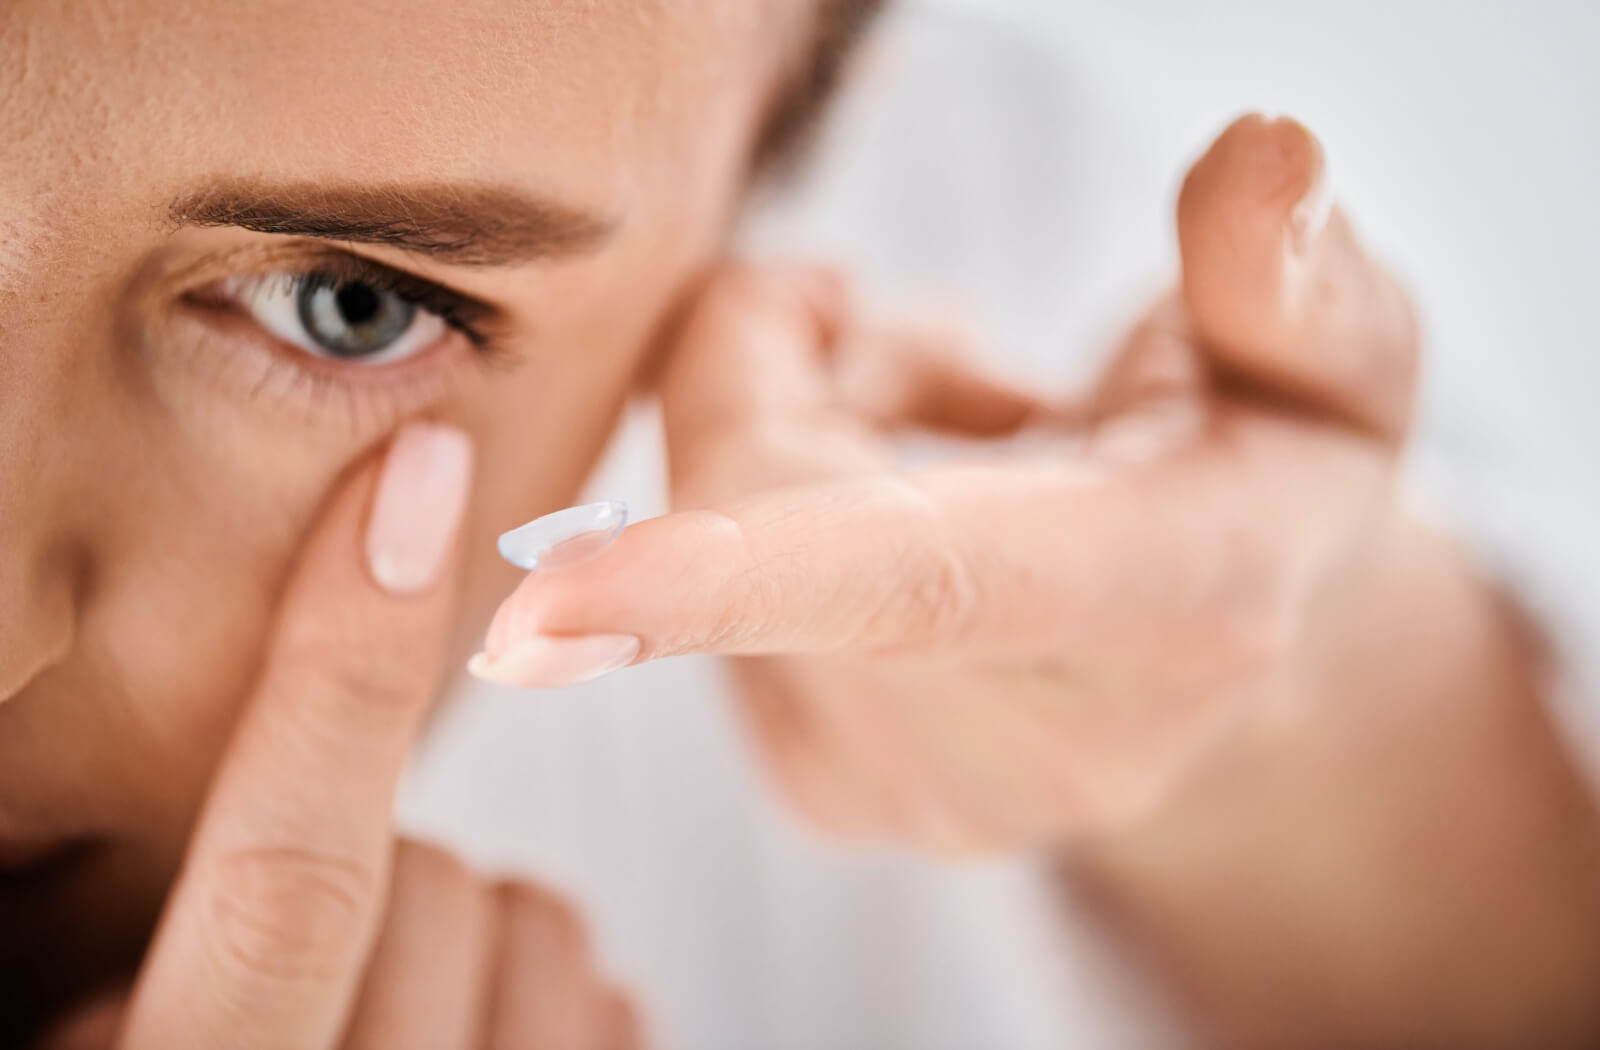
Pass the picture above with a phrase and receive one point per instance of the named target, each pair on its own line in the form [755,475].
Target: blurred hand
[1006,653]
[298,921]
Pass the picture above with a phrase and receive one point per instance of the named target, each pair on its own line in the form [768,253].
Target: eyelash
[457,311]
[362,399]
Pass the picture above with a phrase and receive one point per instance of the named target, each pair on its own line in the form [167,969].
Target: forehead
[580,96]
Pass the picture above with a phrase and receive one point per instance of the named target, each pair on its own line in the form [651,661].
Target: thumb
[1280,292]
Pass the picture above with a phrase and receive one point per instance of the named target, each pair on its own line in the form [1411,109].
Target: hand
[1007,653]
[298,921]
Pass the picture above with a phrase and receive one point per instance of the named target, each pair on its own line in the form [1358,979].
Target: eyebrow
[471,225]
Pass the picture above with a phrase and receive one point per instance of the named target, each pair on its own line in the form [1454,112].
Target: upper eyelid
[289,258]
[473,317]
[353,266]
[499,339]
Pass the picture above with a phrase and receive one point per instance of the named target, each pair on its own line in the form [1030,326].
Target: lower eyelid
[213,341]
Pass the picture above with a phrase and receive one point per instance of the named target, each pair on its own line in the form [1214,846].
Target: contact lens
[564,538]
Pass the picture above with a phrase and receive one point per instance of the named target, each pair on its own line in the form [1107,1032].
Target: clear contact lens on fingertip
[565,538]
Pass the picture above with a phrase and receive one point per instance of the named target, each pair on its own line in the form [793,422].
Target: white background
[1463,134]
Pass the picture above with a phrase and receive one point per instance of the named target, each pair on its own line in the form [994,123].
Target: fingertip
[1273,165]
[659,585]
[1259,198]
[551,544]
[1278,286]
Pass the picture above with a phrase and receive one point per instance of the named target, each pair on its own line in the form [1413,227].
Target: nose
[39,573]
[36,617]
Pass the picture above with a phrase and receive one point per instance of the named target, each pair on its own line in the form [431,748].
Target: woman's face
[239,243]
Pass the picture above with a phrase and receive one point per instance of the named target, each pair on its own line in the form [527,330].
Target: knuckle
[288,914]
[924,591]
[943,597]
[439,870]
[546,915]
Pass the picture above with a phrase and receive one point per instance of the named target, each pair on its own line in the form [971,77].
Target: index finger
[266,933]
[954,555]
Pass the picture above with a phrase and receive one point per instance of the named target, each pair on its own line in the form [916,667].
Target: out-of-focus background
[1021,158]
[1464,134]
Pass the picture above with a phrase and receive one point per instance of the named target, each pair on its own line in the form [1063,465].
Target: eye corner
[219,294]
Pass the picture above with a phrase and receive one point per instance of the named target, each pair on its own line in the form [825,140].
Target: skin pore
[544,179]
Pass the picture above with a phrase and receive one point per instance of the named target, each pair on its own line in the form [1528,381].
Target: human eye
[353,312]
[320,337]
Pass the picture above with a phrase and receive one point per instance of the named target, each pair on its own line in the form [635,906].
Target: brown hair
[798,105]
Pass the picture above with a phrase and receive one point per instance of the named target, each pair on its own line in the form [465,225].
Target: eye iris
[353,319]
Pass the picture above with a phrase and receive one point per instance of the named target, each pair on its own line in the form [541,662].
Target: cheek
[188,517]
[173,628]
[196,503]
[205,509]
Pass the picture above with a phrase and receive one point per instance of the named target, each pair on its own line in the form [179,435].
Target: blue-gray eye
[353,320]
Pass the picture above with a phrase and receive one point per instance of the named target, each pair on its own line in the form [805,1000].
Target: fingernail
[546,662]
[498,639]
[565,538]
[1310,217]
[421,498]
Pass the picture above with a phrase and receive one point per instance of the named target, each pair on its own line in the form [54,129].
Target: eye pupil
[357,303]
[353,319]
